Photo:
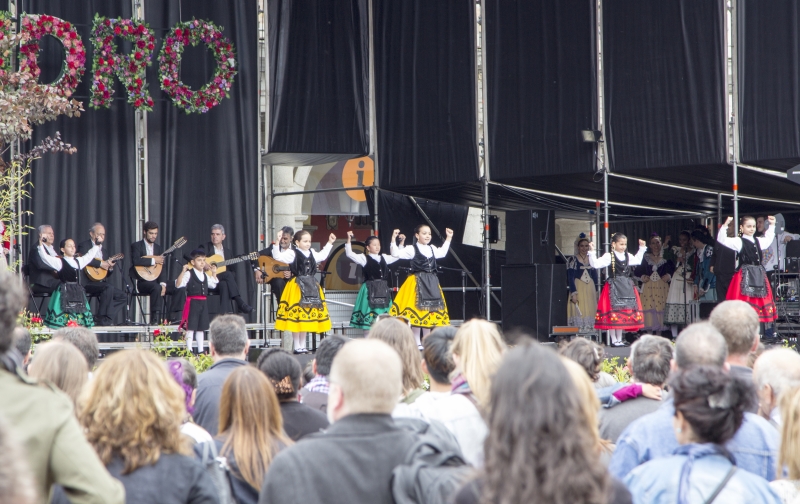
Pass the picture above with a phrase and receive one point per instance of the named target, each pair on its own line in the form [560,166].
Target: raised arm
[722,237]
[286,256]
[598,262]
[439,252]
[348,251]
[324,251]
[636,260]
[769,235]
[53,262]
[88,257]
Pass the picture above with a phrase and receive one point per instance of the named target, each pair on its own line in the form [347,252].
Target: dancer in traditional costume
[681,288]
[705,281]
[655,273]
[302,308]
[583,283]
[421,299]
[193,278]
[750,281]
[620,308]
[68,302]
[374,298]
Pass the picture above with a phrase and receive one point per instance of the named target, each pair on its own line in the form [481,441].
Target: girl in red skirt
[750,282]
[619,308]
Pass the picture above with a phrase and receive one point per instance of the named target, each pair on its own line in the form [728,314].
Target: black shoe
[246,308]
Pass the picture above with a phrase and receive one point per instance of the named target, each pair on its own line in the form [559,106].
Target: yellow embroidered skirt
[295,318]
[405,305]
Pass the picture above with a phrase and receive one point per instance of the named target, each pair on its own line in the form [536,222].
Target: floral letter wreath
[75,54]
[210,95]
[128,68]
[5,31]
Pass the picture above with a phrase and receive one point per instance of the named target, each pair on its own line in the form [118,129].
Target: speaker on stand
[534,233]
[534,298]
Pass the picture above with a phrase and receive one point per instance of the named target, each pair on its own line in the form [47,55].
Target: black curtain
[425,96]
[540,81]
[319,81]
[769,82]
[664,83]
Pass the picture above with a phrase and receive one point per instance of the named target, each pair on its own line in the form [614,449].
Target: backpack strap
[721,485]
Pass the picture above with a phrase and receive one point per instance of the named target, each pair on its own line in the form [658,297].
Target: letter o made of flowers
[39,25]
[194,32]
[129,68]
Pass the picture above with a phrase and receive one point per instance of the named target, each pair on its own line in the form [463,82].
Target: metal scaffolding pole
[732,99]
[264,192]
[16,240]
[142,169]
[483,153]
[373,128]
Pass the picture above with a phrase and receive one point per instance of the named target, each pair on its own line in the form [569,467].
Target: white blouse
[362,258]
[201,275]
[408,251]
[736,243]
[288,255]
[75,262]
[605,259]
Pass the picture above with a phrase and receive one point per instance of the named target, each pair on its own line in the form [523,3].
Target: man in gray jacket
[353,460]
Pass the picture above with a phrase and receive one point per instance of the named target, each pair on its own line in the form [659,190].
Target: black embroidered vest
[196,287]
[68,272]
[620,268]
[375,270]
[302,265]
[750,253]
[422,263]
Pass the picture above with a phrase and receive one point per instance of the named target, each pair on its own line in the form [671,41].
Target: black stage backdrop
[540,82]
[664,83]
[769,88]
[319,81]
[425,96]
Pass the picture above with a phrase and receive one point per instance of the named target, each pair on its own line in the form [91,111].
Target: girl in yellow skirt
[421,299]
[302,307]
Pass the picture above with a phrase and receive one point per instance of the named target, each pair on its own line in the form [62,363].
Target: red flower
[138,102]
[149,102]
[156,332]
[100,61]
[72,323]
[117,30]
[141,28]
[178,32]
[138,81]
[101,86]
[140,44]
[151,46]
[138,55]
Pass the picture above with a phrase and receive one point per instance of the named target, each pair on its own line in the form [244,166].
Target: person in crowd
[132,413]
[227,339]
[302,308]
[374,297]
[84,340]
[552,456]
[755,444]
[649,363]
[315,392]
[23,344]
[477,351]
[308,374]
[420,298]
[777,249]
[283,371]
[738,323]
[353,460]
[185,376]
[753,356]
[750,283]
[590,357]
[44,423]
[279,283]
[623,312]
[111,299]
[655,273]
[42,277]
[146,252]
[705,285]
[788,487]
[583,282]
[400,337]
[709,405]
[456,412]
[228,288]
[775,372]
[16,481]
[724,264]
[62,365]
[250,431]
[681,287]
[68,303]
[197,283]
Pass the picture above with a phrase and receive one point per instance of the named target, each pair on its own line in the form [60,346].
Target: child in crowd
[374,298]
[194,279]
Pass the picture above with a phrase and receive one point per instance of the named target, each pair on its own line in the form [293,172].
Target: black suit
[111,299]
[227,287]
[276,284]
[153,288]
[42,277]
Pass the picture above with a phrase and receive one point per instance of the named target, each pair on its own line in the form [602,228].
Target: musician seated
[42,276]
[110,298]
[227,287]
[147,253]
[277,284]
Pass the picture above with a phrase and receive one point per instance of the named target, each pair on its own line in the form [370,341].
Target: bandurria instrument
[98,274]
[151,273]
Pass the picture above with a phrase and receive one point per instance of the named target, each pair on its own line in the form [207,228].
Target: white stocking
[298,340]
[189,338]
[674,329]
[417,334]
[200,335]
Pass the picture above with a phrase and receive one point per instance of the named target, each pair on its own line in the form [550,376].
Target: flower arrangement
[130,69]
[5,29]
[35,326]
[37,26]
[167,347]
[210,95]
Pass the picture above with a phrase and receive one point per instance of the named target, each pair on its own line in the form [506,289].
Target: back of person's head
[478,349]
[250,423]
[22,341]
[308,372]
[789,456]
[651,360]
[16,479]
[83,339]
[326,351]
[778,369]
[11,302]
[133,409]
[399,336]
[700,344]
[61,364]
[228,335]
[368,374]
[185,376]
[283,371]
[738,322]
[436,352]
[588,354]
[711,400]
[590,404]
[540,447]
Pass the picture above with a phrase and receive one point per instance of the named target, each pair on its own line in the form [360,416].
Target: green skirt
[363,314]
[56,318]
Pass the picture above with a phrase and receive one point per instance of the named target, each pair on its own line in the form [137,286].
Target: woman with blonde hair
[789,455]
[61,364]
[251,430]
[477,351]
[399,336]
[132,412]
[590,405]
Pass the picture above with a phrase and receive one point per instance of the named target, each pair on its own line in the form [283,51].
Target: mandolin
[271,268]
[98,274]
[151,273]
[220,263]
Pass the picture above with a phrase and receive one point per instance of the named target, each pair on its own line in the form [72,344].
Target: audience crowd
[712,417]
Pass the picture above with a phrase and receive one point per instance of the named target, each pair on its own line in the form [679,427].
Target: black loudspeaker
[534,298]
[705,309]
[532,237]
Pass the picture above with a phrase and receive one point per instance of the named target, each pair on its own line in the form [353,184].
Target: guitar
[220,263]
[98,274]
[271,268]
[151,273]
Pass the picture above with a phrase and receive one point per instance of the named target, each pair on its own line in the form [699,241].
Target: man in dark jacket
[42,277]
[353,460]
[147,252]
[228,288]
[111,299]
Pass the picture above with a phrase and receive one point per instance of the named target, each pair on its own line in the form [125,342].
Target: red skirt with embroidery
[609,318]
[765,307]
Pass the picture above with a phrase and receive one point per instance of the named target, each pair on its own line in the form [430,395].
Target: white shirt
[288,255]
[212,282]
[408,251]
[605,259]
[736,242]
[219,251]
[50,250]
[194,431]
[362,258]
[75,262]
